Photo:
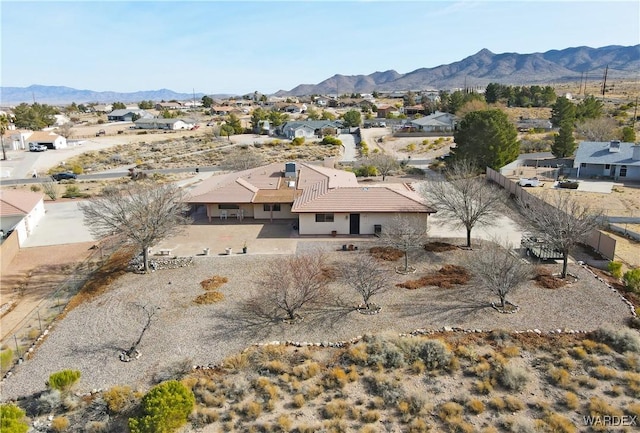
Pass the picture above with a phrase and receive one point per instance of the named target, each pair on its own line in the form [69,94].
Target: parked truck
[530,181]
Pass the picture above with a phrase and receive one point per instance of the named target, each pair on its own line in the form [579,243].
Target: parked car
[37,147]
[101,132]
[65,175]
[531,181]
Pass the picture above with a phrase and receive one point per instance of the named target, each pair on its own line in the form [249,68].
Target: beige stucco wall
[214,212]
[368,221]
[284,213]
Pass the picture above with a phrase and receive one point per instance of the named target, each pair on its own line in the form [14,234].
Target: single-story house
[49,139]
[308,129]
[127,115]
[436,122]
[20,211]
[160,123]
[614,160]
[525,125]
[323,200]
[385,110]
[160,106]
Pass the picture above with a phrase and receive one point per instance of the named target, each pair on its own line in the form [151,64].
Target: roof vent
[614,146]
[290,169]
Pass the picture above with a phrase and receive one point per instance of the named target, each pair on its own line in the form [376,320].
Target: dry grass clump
[475,406]
[483,386]
[513,378]
[439,247]
[335,409]
[544,278]
[370,416]
[633,409]
[557,423]
[571,401]
[120,398]
[306,370]
[605,373]
[560,377]
[336,378]
[446,277]
[60,424]
[450,411]
[599,408]
[633,384]
[621,340]
[208,298]
[213,283]
[389,254]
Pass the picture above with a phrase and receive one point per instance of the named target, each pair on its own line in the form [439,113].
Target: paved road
[349,147]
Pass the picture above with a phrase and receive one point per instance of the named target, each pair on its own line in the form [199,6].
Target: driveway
[349,145]
[62,224]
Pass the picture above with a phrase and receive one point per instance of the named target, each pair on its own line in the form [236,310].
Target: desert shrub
[475,406]
[514,404]
[236,363]
[265,388]
[381,351]
[631,280]
[622,340]
[251,410]
[63,380]
[77,169]
[560,377]
[631,361]
[381,385]
[96,427]
[328,139]
[165,408]
[59,423]
[633,409]
[511,351]
[386,253]
[213,283]
[586,381]
[274,367]
[483,386]
[298,400]
[571,401]
[481,369]
[446,277]
[335,378]
[50,188]
[370,416]
[307,370]
[410,407]
[435,354]
[119,398]
[34,188]
[418,426]
[497,403]
[72,191]
[602,372]
[417,367]
[450,411]
[335,409]
[6,359]
[567,363]
[298,141]
[365,171]
[615,269]
[578,352]
[513,378]
[559,424]
[12,419]
[600,408]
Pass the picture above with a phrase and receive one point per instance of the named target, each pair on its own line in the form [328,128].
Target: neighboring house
[614,160]
[308,128]
[17,139]
[322,200]
[526,125]
[436,122]
[264,127]
[160,106]
[102,108]
[221,110]
[385,110]
[49,139]
[160,123]
[127,114]
[20,211]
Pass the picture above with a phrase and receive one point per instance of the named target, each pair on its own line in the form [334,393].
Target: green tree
[235,123]
[146,105]
[166,407]
[352,118]
[312,114]
[118,106]
[589,108]
[492,93]
[277,118]
[4,125]
[34,116]
[562,110]
[563,142]
[628,134]
[257,116]
[63,380]
[327,115]
[12,419]
[486,139]
[168,114]
[207,101]
[227,130]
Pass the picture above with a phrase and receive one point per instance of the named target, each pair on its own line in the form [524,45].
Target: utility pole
[604,81]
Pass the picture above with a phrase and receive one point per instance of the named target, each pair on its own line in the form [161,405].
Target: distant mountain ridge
[66,95]
[485,67]
[478,70]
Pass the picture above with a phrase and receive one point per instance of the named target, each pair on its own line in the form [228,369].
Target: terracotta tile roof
[14,202]
[363,199]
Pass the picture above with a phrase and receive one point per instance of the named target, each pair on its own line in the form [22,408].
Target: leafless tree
[500,269]
[149,311]
[365,275]
[405,233]
[66,130]
[50,188]
[463,198]
[140,213]
[384,163]
[600,129]
[242,159]
[561,221]
[289,285]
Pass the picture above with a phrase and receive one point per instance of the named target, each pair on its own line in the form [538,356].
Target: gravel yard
[90,337]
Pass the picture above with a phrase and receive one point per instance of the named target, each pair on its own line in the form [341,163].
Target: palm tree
[4,125]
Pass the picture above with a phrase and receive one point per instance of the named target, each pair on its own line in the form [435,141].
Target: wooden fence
[602,243]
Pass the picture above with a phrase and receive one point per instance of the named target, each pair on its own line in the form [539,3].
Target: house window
[276,207]
[583,164]
[324,217]
[623,171]
[271,207]
[228,206]
[607,166]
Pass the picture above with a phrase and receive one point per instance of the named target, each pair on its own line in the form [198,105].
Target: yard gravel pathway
[90,337]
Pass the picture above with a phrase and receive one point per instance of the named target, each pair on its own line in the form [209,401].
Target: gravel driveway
[90,337]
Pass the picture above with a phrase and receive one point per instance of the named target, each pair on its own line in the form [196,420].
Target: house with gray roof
[437,122]
[160,123]
[320,200]
[127,115]
[613,160]
[308,129]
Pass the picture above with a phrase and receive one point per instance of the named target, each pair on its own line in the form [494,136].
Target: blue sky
[241,46]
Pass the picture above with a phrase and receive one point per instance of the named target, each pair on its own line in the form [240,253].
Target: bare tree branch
[500,269]
[463,198]
[366,275]
[561,221]
[149,312]
[384,163]
[142,214]
[405,233]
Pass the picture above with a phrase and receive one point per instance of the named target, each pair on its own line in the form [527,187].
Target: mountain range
[478,70]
